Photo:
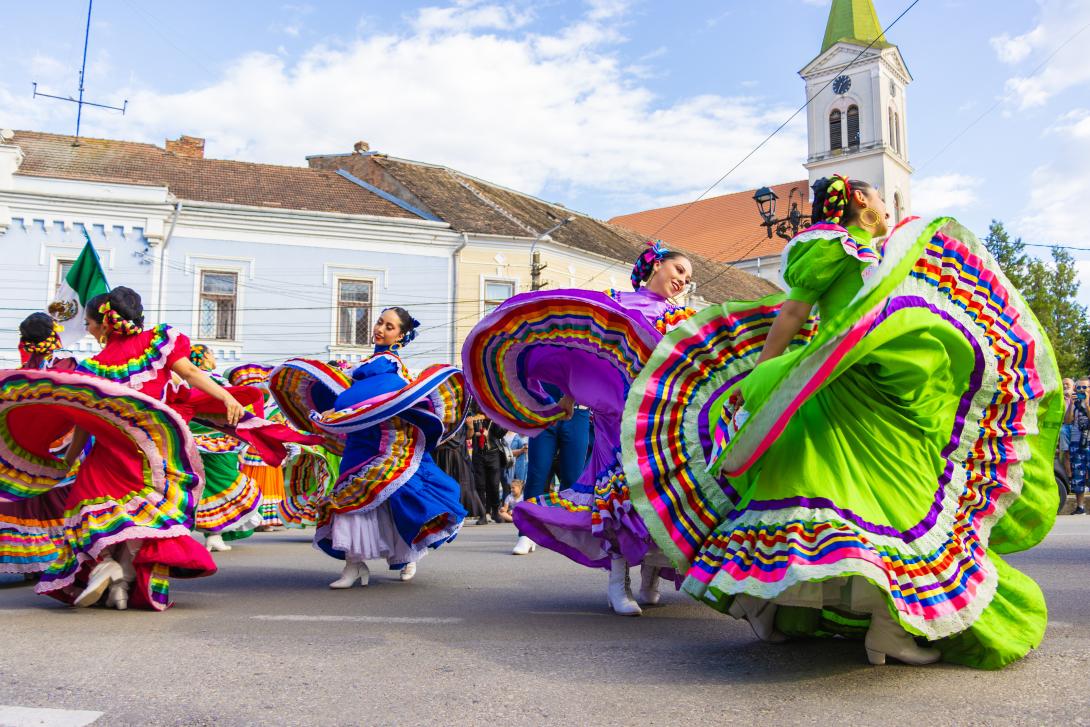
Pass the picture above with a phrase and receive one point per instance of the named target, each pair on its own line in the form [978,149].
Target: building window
[835,137]
[354,299]
[853,126]
[897,129]
[218,306]
[495,292]
[63,266]
[892,132]
[898,208]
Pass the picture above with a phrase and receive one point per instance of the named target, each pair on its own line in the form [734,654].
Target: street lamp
[535,257]
[786,227]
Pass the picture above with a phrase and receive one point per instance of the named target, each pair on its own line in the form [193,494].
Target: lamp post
[536,265]
[786,227]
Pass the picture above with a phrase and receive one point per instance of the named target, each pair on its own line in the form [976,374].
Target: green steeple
[853,21]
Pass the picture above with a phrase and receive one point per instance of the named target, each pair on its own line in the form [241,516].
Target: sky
[605,106]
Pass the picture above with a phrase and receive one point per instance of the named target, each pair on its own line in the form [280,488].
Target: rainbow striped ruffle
[568,319]
[248,374]
[234,507]
[309,477]
[995,493]
[141,368]
[133,434]
[301,386]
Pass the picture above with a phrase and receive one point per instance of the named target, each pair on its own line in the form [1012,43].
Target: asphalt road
[483,637]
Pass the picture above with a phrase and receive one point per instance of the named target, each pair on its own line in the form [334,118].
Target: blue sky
[608,106]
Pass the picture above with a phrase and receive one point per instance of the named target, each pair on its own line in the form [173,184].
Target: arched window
[892,132]
[853,126]
[897,128]
[836,141]
[898,208]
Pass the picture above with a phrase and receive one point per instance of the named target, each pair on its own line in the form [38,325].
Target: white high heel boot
[213,542]
[761,615]
[118,596]
[106,572]
[408,572]
[886,638]
[620,589]
[352,572]
[523,546]
[649,585]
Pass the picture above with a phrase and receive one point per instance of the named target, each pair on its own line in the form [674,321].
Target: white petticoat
[371,535]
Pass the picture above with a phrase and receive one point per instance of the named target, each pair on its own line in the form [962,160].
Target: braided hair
[120,310]
[198,355]
[833,199]
[644,266]
[408,324]
[39,334]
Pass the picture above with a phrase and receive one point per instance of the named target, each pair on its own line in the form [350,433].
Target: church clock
[841,84]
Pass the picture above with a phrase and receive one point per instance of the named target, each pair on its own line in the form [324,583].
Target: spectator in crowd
[489,463]
[513,498]
[519,444]
[1077,419]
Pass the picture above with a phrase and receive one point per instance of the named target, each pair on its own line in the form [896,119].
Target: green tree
[1050,288]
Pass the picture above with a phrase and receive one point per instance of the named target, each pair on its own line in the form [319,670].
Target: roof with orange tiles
[206,180]
[725,228]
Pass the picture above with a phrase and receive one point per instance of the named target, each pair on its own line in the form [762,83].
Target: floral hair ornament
[198,355]
[116,322]
[837,195]
[47,345]
[408,336]
[645,263]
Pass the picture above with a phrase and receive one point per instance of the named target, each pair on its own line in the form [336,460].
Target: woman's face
[209,360]
[671,277]
[387,330]
[1069,387]
[873,199]
[98,330]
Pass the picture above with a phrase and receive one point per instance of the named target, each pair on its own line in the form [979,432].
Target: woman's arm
[201,382]
[793,314]
[79,441]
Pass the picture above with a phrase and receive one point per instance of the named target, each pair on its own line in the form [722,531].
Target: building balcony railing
[855,149]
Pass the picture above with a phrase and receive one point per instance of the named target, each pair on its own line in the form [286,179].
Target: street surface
[483,637]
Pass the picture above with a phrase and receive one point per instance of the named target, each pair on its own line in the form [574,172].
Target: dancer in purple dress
[540,354]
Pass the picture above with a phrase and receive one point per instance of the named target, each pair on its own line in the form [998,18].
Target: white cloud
[1060,24]
[519,108]
[467,15]
[943,194]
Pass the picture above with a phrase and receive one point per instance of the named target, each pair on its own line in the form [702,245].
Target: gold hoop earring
[872,220]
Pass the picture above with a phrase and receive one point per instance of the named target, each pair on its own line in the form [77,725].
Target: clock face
[841,84]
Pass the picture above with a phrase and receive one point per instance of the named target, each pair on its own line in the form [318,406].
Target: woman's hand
[234,409]
[567,405]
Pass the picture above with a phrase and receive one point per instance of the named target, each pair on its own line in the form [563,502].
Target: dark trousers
[561,448]
[487,466]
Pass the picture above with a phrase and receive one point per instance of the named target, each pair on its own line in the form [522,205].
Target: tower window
[836,141]
[892,132]
[853,126]
[897,129]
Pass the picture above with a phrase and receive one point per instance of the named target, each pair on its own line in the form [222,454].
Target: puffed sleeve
[814,265]
[181,346]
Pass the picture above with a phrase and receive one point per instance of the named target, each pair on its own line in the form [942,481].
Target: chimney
[360,147]
[190,147]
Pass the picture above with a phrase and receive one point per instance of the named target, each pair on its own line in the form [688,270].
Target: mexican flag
[84,281]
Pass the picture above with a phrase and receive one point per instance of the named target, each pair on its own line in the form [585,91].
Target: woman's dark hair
[125,301]
[823,209]
[645,265]
[36,327]
[408,324]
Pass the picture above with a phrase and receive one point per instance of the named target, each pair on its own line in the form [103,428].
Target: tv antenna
[80,103]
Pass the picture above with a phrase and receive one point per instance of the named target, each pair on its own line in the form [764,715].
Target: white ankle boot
[352,572]
[408,571]
[106,572]
[523,546]
[886,638]
[214,543]
[761,615]
[620,589]
[118,596]
[649,585]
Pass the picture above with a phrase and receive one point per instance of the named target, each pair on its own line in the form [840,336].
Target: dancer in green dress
[854,457]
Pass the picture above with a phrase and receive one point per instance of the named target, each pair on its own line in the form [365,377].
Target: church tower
[856,124]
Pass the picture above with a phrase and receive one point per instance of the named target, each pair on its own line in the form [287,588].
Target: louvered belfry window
[835,137]
[853,126]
